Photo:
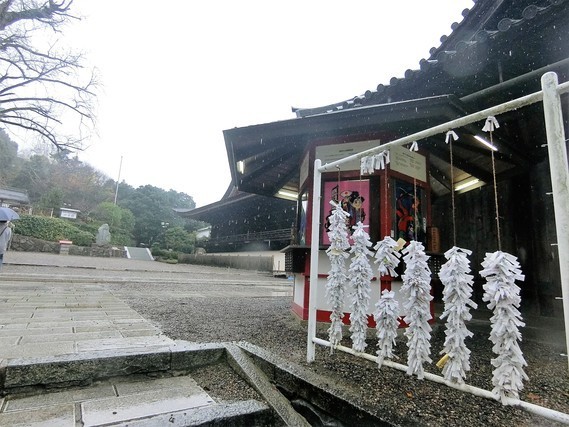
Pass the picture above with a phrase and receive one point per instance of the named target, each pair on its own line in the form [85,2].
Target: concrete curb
[140,387]
[84,368]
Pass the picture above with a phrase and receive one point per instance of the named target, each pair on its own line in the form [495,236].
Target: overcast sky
[176,73]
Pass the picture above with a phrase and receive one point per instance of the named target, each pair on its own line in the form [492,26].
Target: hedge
[52,229]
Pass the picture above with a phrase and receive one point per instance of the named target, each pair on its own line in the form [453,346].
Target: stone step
[133,401]
[106,360]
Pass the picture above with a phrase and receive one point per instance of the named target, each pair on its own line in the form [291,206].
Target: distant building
[497,53]
[68,213]
[203,233]
[245,222]
[14,197]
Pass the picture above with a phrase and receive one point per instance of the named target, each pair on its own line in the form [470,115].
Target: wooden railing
[272,235]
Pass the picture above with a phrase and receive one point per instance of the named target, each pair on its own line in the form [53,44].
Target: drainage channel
[154,386]
[316,416]
[305,393]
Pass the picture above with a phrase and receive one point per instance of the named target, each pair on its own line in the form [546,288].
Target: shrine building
[498,52]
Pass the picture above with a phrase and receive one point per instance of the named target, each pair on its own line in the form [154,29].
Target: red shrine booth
[394,201]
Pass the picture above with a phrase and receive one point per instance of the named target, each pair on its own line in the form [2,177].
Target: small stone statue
[103,235]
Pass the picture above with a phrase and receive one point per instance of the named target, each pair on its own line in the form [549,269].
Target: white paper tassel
[381,160]
[457,281]
[491,124]
[450,136]
[387,257]
[416,290]
[360,280]
[369,164]
[387,321]
[337,277]
[501,270]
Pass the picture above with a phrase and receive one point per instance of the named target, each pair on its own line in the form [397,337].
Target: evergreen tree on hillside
[62,180]
[153,210]
[9,161]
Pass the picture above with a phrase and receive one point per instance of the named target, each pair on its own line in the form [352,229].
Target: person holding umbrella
[5,237]
[6,215]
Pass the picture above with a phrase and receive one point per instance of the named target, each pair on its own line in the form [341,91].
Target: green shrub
[157,251]
[165,255]
[89,227]
[52,230]
[118,238]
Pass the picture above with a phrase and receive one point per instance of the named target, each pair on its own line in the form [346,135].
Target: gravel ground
[395,397]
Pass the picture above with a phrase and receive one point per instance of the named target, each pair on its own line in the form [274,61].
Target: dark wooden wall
[527,231]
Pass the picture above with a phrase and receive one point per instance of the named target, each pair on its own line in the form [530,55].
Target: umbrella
[7,214]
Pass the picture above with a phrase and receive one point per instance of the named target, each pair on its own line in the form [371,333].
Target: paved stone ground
[79,304]
[53,310]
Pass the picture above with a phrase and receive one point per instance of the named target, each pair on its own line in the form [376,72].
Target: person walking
[5,237]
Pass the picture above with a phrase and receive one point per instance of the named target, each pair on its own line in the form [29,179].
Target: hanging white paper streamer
[454,275]
[360,279]
[369,164]
[387,321]
[451,134]
[387,257]
[501,270]
[416,290]
[337,276]
[381,160]
[384,159]
[491,124]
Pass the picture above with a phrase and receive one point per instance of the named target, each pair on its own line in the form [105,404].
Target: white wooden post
[559,182]
[314,249]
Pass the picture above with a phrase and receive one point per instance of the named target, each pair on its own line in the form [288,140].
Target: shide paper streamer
[337,276]
[457,281]
[360,274]
[501,271]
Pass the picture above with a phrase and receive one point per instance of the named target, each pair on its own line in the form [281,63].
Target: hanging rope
[368,165]
[490,125]
[385,201]
[450,137]
[452,196]
[338,185]
[415,147]
[415,208]
[360,205]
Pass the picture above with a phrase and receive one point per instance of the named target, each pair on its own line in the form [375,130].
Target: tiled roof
[485,23]
[14,195]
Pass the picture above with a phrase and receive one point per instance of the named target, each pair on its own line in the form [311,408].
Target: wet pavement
[73,353]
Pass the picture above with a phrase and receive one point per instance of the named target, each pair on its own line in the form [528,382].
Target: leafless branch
[50,12]
[39,87]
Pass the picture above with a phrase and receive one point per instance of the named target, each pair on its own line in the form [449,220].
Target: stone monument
[103,235]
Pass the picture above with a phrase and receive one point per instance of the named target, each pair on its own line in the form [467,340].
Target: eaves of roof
[271,153]
[11,195]
[487,22]
[202,213]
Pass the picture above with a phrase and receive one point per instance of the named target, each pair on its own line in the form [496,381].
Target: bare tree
[43,89]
